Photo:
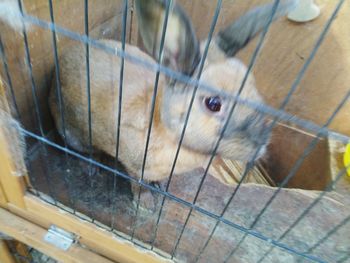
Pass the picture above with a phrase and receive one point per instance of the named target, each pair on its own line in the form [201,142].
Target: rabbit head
[246,128]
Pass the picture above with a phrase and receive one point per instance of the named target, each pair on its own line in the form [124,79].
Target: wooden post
[3,200]
[13,186]
[5,255]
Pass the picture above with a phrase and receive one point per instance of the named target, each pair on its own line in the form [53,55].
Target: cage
[291,205]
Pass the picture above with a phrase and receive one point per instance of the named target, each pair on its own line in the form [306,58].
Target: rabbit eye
[213,103]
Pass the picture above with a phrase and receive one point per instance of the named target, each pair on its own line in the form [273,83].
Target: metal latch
[59,237]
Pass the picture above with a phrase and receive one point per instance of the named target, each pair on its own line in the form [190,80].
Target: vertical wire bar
[251,64]
[121,79]
[307,210]
[201,66]
[282,106]
[35,100]
[154,97]
[9,80]
[294,169]
[57,71]
[33,85]
[13,98]
[216,226]
[88,94]
[60,103]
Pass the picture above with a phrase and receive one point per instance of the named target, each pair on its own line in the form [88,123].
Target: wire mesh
[154,97]
[125,13]
[277,115]
[201,66]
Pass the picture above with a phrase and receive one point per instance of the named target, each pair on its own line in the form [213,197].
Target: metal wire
[57,71]
[154,97]
[121,79]
[201,66]
[60,104]
[311,145]
[263,108]
[172,197]
[12,93]
[293,171]
[335,229]
[307,210]
[88,94]
[9,80]
[279,114]
[36,103]
[30,69]
[251,64]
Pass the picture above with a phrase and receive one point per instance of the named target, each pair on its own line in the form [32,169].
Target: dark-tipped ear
[237,35]
[181,50]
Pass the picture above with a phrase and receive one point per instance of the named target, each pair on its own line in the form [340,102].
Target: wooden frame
[5,254]
[25,211]
[31,234]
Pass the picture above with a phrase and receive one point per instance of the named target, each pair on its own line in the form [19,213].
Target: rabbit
[182,52]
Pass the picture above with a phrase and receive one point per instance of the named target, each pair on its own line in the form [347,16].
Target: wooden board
[33,235]
[314,173]
[93,237]
[11,186]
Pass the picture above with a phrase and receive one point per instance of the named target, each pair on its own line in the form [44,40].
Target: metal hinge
[59,237]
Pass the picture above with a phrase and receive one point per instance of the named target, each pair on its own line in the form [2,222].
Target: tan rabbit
[244,134]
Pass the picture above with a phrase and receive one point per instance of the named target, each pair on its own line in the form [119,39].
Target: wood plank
[13,186]
[102,241]
[32,235]
[3,200]
[313,174]
[43,222]
[5,255]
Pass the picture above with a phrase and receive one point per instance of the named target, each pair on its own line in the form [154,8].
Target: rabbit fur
[246,128]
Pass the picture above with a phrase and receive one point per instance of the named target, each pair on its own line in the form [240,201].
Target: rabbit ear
[181,50]
[237,35]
